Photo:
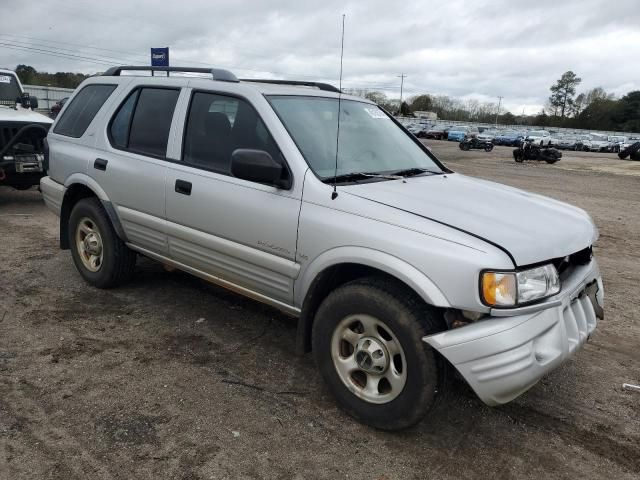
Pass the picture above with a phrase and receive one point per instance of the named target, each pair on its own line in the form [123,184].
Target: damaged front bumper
[501,356]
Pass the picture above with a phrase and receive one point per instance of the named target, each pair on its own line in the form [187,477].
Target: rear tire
[393,319]
[488,148]
[100,256]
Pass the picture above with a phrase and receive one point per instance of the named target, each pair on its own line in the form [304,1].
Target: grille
[579,320]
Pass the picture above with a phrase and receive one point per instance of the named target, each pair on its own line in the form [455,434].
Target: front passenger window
[217,125]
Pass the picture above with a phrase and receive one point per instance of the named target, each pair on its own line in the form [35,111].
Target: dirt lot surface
[170,377]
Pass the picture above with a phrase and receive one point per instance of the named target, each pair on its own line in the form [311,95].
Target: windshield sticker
[375,113]
[5,79]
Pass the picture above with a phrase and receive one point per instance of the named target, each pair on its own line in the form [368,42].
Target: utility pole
[498,112]
[401,77]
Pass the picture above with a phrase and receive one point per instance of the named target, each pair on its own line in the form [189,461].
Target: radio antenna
[334,194]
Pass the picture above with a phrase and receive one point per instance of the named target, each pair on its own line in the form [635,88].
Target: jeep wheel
[367,343]
[100,256]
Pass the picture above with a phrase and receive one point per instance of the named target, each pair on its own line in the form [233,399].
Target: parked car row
[592,142]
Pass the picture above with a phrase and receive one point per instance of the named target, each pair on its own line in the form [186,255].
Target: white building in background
[426,115]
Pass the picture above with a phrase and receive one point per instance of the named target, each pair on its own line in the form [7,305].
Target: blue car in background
[459,132]
[511,138]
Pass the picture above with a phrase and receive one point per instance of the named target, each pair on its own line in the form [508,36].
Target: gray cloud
[478,49]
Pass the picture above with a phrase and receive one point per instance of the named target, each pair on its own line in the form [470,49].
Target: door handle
[100,164]
[183,187]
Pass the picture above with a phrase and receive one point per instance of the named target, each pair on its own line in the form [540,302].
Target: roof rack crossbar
[217,73]
[321,86]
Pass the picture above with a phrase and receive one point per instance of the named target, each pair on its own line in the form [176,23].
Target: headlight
[508,289]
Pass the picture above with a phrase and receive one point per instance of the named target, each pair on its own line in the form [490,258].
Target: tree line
[30,76]
[594,109]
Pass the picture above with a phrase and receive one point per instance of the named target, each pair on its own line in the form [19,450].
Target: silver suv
[397,267]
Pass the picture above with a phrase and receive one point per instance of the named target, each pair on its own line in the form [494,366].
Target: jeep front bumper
[501,357]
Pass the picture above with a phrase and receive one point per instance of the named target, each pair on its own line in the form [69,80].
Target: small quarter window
[143,121]
[82,110]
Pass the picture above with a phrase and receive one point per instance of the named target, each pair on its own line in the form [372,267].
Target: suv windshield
[370,142]
[9,90]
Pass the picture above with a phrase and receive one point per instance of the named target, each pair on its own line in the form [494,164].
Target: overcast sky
[468,49]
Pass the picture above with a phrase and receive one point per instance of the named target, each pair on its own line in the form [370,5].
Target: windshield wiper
[410,172]
[355,176]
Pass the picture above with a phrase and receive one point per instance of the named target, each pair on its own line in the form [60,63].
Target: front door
[239,231]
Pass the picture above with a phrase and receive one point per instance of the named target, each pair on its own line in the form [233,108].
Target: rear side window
[82,109]
[143,121]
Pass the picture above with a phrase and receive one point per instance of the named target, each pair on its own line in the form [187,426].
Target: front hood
[9,114]
[532,228]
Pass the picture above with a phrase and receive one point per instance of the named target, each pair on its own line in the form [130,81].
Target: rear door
[236,230]
[131,166]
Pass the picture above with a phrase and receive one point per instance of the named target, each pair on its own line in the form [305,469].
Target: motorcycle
[632,151]
[474,143]
[530,151]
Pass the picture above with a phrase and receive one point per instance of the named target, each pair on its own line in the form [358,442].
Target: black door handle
[183,187]
[100,164]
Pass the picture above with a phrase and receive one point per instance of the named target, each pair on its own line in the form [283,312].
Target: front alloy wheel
[368,358]
[367,343]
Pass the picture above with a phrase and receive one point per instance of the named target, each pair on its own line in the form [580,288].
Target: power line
[498,112]
[402,77]
[52,53]
[65,50]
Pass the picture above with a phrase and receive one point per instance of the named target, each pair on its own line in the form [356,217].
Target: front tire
[367,343]
[100,256]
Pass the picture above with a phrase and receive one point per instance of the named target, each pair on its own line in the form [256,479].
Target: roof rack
[321,86]
[217,73]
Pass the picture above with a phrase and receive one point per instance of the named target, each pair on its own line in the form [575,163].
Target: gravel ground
[170,377]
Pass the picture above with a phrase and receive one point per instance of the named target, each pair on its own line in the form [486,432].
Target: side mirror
[25,100]
[258,166]
[34,103]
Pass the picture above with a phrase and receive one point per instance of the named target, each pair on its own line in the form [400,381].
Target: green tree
[376,97]
[627,114]
[595,94]
[26,73]
[405,110]
[562,92]
[422,103]
[597,115]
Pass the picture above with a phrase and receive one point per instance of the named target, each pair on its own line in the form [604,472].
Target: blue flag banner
[160,57]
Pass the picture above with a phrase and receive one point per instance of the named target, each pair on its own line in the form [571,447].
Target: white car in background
[616,143]
[487,135]
[599,143]
[539,137]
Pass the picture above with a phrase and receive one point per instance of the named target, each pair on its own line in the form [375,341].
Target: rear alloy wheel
[89,244]
[99,254]
[367,343]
